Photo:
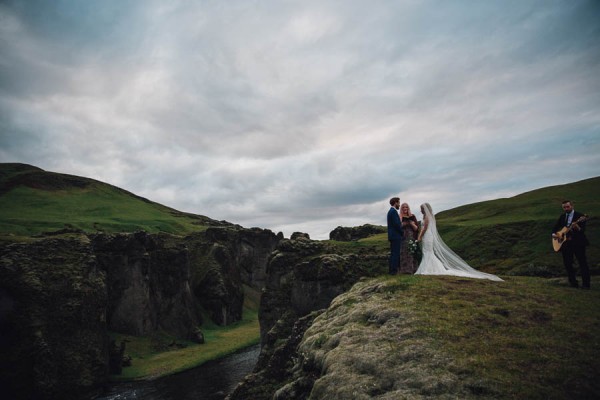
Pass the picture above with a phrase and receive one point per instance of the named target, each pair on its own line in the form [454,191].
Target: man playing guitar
[572,224]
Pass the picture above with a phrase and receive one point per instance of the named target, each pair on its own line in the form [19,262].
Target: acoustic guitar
[561,236]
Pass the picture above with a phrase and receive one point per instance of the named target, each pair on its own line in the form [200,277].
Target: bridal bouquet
[415,249]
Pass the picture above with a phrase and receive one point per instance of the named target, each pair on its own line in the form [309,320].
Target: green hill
[512,235]
[34,201]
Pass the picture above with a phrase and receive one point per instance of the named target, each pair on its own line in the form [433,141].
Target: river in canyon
[210,381]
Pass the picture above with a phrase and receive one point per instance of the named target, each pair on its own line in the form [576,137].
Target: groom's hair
[394,200]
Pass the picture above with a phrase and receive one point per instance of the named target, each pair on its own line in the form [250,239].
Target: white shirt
[570,217]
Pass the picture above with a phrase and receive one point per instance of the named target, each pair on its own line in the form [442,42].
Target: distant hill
[540,204]
[34,201]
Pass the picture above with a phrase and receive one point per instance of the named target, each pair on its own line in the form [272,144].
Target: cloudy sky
[304,115]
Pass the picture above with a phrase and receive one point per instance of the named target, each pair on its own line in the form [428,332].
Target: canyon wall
[61,294]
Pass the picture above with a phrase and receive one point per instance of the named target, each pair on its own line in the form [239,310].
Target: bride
[438,258]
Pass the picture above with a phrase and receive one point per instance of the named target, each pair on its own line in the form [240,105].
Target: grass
[533,338]
[378,243]
[28,209]
[152,357]
[511,235]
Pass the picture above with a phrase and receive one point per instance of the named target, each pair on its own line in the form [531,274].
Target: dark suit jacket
[394,225]
[578,237]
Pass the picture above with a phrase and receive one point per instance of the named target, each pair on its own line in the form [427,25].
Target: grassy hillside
[512,235]
[33,201]
[541,204]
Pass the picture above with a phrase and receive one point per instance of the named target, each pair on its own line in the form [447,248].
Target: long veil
[450,260]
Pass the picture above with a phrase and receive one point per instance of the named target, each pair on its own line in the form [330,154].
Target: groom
[394,234]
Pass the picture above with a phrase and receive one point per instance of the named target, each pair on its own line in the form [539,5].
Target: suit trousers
[571,250]
[395,255]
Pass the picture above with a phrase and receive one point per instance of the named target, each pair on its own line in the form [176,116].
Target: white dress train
[439,259]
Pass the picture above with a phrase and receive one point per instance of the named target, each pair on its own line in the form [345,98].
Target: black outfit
[574,247]
[408,263]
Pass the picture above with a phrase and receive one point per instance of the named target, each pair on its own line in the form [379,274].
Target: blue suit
[395,235]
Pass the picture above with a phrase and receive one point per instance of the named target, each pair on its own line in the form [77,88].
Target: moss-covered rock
[362,347]
[347,234]
[304,276]
[53,319]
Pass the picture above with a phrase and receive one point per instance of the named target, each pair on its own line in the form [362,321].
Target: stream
[212,380]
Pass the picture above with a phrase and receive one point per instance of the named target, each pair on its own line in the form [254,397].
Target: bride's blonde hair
[428,206]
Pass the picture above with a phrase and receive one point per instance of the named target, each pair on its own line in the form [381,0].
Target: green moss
[445,337]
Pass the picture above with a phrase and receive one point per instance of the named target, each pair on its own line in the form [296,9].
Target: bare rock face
[148,280]
[300,235]
[52,319]
[160,281]
[223,260]
[304,277]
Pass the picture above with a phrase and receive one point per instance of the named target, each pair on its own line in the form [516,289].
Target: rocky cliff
[148,283]
[347,234]
[53,298]
[304,276]
[226,259]
[436,337]
[60,294]
[366,346]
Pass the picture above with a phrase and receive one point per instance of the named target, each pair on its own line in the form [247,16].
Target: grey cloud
[311,113]
[84,26]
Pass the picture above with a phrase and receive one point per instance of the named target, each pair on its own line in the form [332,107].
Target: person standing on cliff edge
[395,235]
[573,223]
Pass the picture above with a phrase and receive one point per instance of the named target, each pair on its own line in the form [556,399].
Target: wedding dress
[439,259]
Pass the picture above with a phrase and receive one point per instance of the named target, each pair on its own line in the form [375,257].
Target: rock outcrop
[346,234]
[365,345]
[304,277]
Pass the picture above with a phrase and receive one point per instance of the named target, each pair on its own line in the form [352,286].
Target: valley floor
[163,355]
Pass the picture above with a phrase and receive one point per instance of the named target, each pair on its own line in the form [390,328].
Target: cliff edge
[426,337]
